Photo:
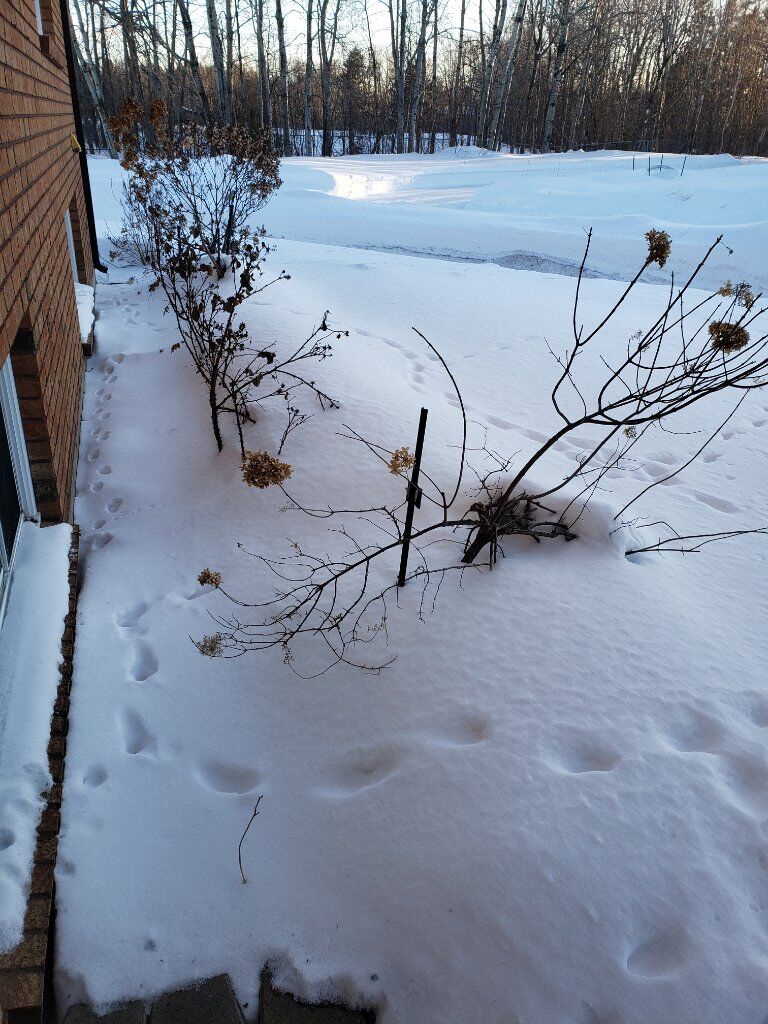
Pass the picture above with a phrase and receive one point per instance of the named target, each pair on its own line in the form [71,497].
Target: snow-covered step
[132,1013]
[282,1008]
[212,1002]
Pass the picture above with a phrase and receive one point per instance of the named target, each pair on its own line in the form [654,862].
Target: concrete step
[131,1013]
[214,1002]
[282,1008]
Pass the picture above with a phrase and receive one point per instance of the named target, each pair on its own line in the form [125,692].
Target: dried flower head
[260,469]
[630,431]
[744,295]
[659,247]
[726,289]
[211,646]
[400,461]
[209,577]
[727,337]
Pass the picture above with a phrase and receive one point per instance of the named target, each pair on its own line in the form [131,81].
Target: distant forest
[380,76]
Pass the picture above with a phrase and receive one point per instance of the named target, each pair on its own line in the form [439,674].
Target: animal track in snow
[105,470]
[719,504]
[97,525]
[469,727]
[97,486]
[662,954]
[712,456]
[102,539]
[747,778]
[655,470]
[227,778]
[144,662]
[532,435]
[93,454]
[585,753]
[755,707]
[579,442]
[136,737]
[589,1015]
[113,505]
[501,424]
[130,617]
[696,732]
[119,357]
[95,776]
[361,769]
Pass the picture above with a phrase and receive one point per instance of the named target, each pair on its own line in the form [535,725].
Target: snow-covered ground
[553,807]
[30,655]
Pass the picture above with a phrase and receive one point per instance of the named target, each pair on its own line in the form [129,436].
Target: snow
[30,654]
[553,807]
[85,296]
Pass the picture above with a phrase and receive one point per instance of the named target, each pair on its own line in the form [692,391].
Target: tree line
[328,77]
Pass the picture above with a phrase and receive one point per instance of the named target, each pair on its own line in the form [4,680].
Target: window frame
[9,410]
[39,18]
[71,244]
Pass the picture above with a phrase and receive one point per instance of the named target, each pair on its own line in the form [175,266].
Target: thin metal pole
[414,498]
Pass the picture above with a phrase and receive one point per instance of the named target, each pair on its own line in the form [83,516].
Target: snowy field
[553,807]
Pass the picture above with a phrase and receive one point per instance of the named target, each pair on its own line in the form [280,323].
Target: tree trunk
[499,18]
[494,127]
[416,89]
[92,82]
[266,99]
[454,127]
[433,88]
[285,126]
[400,114]
[308,146]
[557,77]
[217,55]
[194,65]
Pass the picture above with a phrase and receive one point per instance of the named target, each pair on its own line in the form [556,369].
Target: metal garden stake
[413,498]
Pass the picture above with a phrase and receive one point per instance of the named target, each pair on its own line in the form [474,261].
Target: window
[39,17]
[17,499]
[44,20]
[71,243]
[74,241]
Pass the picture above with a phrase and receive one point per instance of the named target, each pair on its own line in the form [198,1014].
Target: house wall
[39,180]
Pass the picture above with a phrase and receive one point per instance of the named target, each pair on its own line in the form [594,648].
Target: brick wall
[39,180]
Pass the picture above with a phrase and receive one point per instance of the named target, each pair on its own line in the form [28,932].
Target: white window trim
[9,408]
[71,244]
[39,18]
